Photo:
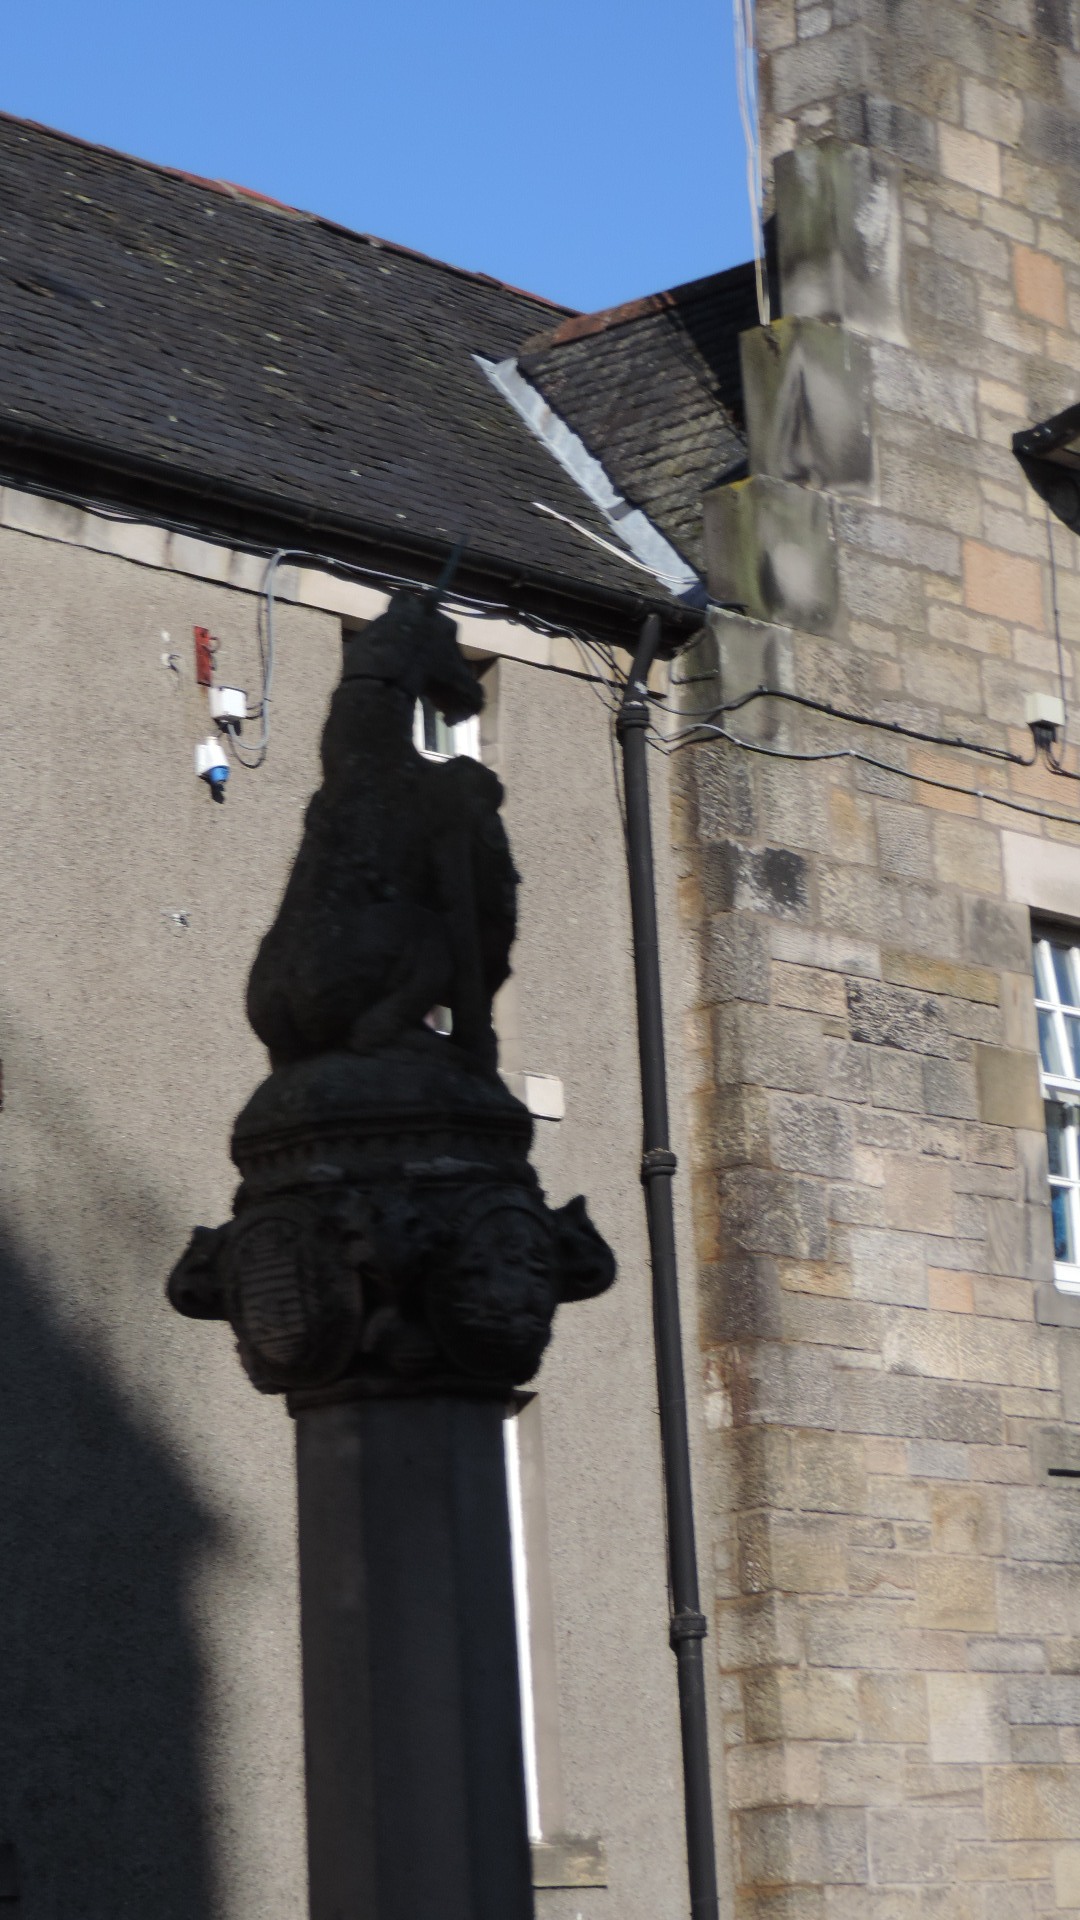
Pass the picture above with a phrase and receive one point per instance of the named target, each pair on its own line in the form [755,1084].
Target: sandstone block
[1039,1599]
[770,550]
[828,1472]
[970,159]
[893,1707]
[736,959]
[987,110]
[896,1080]
[949,1089]
[1043,1700]
[909,1844]
[810,1136]
[956,1593]
[765,1212]
[1007,585]
[1043,1524]
[862,1776]
[762,1776]
[939,396]
[888,1016]
[918,1193]
[806,386]
[1032,1803]
[1009,1091]
[966,1724]
[771,880]
[809,988]
[967,853]
[1067,1875]
[1040,285]
[818,1845]
[921,1342]
[966,1520]
[839,231]
[790,1704]
[888,1266]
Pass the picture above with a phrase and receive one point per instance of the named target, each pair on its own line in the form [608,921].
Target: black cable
[704,733]
[896,727]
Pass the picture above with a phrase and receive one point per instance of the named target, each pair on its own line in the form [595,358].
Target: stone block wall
[890,1375]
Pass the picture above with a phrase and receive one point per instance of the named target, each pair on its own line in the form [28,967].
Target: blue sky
[589,150]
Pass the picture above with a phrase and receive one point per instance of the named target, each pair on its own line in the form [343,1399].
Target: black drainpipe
[687,1626]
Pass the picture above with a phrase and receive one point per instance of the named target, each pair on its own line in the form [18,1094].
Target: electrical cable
[746,82]
[707,732]
[898,728]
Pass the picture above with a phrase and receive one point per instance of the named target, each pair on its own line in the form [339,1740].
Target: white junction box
[228,705]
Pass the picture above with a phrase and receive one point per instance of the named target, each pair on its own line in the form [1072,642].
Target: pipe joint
[658,1163]
[686,1625]
[634,712]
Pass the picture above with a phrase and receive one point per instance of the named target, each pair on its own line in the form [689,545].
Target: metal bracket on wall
[205,649]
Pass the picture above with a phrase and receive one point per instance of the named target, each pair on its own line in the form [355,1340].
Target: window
[1057,1004]
[436,741]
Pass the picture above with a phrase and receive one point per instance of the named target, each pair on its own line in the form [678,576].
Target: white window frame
[461,739]
[1062,1089]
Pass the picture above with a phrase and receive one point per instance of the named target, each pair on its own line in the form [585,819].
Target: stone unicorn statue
[402,895]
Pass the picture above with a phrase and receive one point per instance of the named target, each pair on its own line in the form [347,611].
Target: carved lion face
[492,1310]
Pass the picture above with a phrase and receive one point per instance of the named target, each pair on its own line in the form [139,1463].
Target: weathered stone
[806,389]
[770,550]
[810,1136]
[965,1719]
[812,1844]
[896,1017]
[840,237]
[773,880]
[798,1705]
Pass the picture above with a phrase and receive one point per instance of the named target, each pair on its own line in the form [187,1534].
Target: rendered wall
[149,1689]
[899,1593]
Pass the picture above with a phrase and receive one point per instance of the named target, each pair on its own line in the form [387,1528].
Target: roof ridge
[579,326]
[232,190]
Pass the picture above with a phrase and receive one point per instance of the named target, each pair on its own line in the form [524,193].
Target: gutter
[70,468]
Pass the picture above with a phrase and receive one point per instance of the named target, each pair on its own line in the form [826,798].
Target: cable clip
[656,1162]
[687,1626]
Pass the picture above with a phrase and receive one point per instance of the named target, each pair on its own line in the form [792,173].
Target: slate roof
[654,391]
[194,349]
[190,334]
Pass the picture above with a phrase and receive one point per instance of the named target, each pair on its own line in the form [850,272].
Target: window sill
[568,1861]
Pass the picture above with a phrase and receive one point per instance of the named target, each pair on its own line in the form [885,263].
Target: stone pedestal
[393,1268]
[416,1799]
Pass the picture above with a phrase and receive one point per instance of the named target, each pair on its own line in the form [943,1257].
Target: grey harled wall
[148,1647]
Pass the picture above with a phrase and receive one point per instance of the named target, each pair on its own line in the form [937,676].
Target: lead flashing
[646,543]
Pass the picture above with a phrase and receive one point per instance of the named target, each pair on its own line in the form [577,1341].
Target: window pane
[1044,984]
[1049,1047]
[1072,1029]
[1055,1136]
[1064,970]
[1063,1239]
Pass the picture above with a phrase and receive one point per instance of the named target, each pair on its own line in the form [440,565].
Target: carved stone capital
[389,1235]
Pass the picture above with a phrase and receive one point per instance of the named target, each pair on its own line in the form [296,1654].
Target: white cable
[746,83]
[668,579]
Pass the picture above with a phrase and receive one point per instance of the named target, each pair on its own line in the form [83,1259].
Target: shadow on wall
[102,1795]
